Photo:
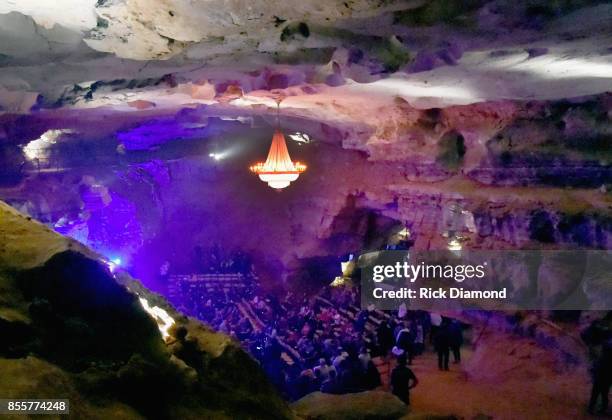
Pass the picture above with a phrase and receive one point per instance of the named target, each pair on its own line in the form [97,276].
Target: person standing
[419,338]
[403,380]
[441,344]
[455,333]
[404,340]
[601,373]
[384,337]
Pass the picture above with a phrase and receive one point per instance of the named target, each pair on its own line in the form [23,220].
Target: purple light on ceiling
[157,132]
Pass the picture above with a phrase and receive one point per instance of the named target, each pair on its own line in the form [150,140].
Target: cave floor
[510,397]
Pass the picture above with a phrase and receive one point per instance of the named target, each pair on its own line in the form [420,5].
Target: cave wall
[520,174]
[72,329]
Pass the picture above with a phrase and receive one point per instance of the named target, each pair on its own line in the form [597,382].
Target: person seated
[364,357]
[331,385]
[352,376]
[341,355]
[324,369]
[361,320]
[317,381]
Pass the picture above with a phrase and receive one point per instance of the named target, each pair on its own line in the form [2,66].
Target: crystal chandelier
[278,171]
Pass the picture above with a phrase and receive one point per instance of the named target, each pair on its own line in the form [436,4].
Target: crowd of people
[326,342]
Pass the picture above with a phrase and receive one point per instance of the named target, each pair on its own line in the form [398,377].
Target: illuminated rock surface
[502,107]
[112,113]
[431,54]
[362,405]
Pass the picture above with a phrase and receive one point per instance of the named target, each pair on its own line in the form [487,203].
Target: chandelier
[278,171]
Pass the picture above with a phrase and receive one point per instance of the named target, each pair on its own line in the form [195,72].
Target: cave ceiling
[331,59]
[489,100]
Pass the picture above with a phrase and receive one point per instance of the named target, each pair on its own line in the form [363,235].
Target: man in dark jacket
[384,337]
[455,333]
[403,380]
[404,339]
[442,345]
[601,373]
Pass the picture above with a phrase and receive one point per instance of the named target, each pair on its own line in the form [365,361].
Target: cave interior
[129,128]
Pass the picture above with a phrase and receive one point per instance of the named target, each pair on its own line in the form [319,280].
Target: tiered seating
[290,355]
[350,313]
[200,284]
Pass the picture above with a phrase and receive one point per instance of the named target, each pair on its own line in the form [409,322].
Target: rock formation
[73,330]
[130,126]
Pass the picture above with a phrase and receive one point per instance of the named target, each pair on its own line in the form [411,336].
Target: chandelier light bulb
[278,171]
